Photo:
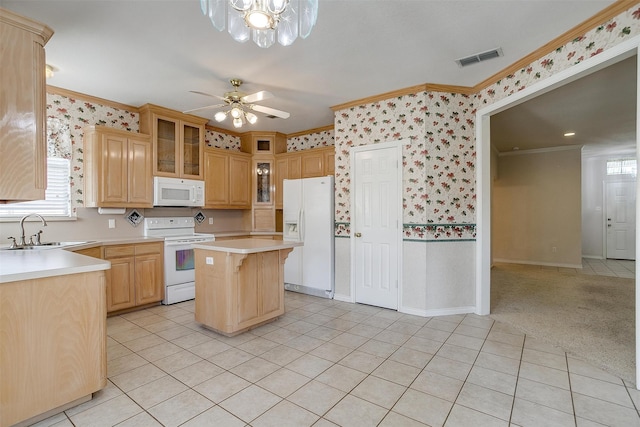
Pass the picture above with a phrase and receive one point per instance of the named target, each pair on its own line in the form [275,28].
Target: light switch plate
[209,260]
[112,223]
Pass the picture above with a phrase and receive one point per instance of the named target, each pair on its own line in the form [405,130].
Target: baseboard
[438,311]
[593,256]
[545,264]
[343,298]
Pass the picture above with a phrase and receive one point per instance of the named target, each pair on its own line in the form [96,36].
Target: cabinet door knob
[358,234]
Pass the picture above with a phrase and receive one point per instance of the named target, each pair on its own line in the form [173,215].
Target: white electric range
[179,269]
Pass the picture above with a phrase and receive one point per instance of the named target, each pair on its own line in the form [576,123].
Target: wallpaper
[312,140]
[221,140]
[439,157]
[74,115]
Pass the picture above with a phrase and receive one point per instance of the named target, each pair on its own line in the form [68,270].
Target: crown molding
[54,90]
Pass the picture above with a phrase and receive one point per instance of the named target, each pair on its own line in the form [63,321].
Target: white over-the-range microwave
[177,192]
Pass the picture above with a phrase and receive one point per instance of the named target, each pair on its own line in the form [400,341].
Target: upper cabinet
[264,143]
[23,139]
[303,164]
[118,167]
[178,141]
[227,179]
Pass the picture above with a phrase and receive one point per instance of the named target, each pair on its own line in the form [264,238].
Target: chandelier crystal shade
[263,20]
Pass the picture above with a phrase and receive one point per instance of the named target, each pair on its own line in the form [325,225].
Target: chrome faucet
[22,238]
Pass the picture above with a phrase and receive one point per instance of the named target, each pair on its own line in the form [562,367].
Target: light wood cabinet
[95,252]
[118,166]
[136,276]
[53,353]
[227,179]
[288,166]
[178,141]
[239,290]
[263,204]
[23,139]
[329,164]
[263,142]
[312,163]
[302,164]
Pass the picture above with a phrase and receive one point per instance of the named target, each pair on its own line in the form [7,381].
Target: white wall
[536,210]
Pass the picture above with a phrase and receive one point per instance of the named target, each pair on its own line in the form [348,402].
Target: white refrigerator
[308,217]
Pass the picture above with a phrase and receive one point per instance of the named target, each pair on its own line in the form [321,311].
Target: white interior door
[621,220]
[375,226]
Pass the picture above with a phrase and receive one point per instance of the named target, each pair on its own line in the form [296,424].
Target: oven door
[178,263]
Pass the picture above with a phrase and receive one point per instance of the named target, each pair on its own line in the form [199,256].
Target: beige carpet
[591,317]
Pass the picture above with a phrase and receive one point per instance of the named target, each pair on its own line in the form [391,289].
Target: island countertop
[247,246]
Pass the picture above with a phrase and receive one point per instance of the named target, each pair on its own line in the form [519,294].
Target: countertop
[37,264]
[57,261]
[247,246]
[246,233]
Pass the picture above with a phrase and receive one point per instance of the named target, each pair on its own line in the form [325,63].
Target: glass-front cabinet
[264,178]
[166,144]
[178,141]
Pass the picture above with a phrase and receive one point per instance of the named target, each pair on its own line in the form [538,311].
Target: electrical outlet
[210,220]
[112,223]
[209,260]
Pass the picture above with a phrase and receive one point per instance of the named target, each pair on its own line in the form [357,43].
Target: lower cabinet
[53,353]
[136,276]
[236,292]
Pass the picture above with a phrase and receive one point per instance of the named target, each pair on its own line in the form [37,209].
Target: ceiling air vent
[479,57]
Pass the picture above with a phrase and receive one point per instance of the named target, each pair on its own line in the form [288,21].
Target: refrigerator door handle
[301,224]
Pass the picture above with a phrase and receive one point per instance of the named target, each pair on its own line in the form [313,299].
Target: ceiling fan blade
[257,97]
[271,111]
[206,94]
[204,108]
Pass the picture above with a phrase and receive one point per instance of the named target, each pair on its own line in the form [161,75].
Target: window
[57,197]
[622,167]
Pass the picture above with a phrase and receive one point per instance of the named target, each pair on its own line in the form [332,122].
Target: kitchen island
[53,328]
[240,283]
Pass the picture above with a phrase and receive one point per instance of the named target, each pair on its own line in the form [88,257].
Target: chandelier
[263,20]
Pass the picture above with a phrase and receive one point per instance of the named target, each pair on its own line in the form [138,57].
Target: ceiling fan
[240,105]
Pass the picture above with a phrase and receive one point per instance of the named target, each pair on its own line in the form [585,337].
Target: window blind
[57,196]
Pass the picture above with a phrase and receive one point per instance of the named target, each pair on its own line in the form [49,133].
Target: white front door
[375,226]
[621,220]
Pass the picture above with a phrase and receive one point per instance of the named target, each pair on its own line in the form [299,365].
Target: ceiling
[139,51]
[599,108]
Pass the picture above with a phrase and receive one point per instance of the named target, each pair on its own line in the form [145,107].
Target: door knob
[358,234]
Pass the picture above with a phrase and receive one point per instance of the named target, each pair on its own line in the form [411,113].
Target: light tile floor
[603,267]
[327,363]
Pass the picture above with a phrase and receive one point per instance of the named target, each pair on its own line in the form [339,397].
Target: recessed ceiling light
[570,134]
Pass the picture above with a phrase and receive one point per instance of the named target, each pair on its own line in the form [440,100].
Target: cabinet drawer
[149,248]
[118,251]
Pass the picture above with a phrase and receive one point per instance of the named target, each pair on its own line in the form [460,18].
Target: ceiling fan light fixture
[251,118]
[236,112]
[220,116]
[237,122]
[262,19]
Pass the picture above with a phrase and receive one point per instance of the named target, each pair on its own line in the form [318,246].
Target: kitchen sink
[48,245]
